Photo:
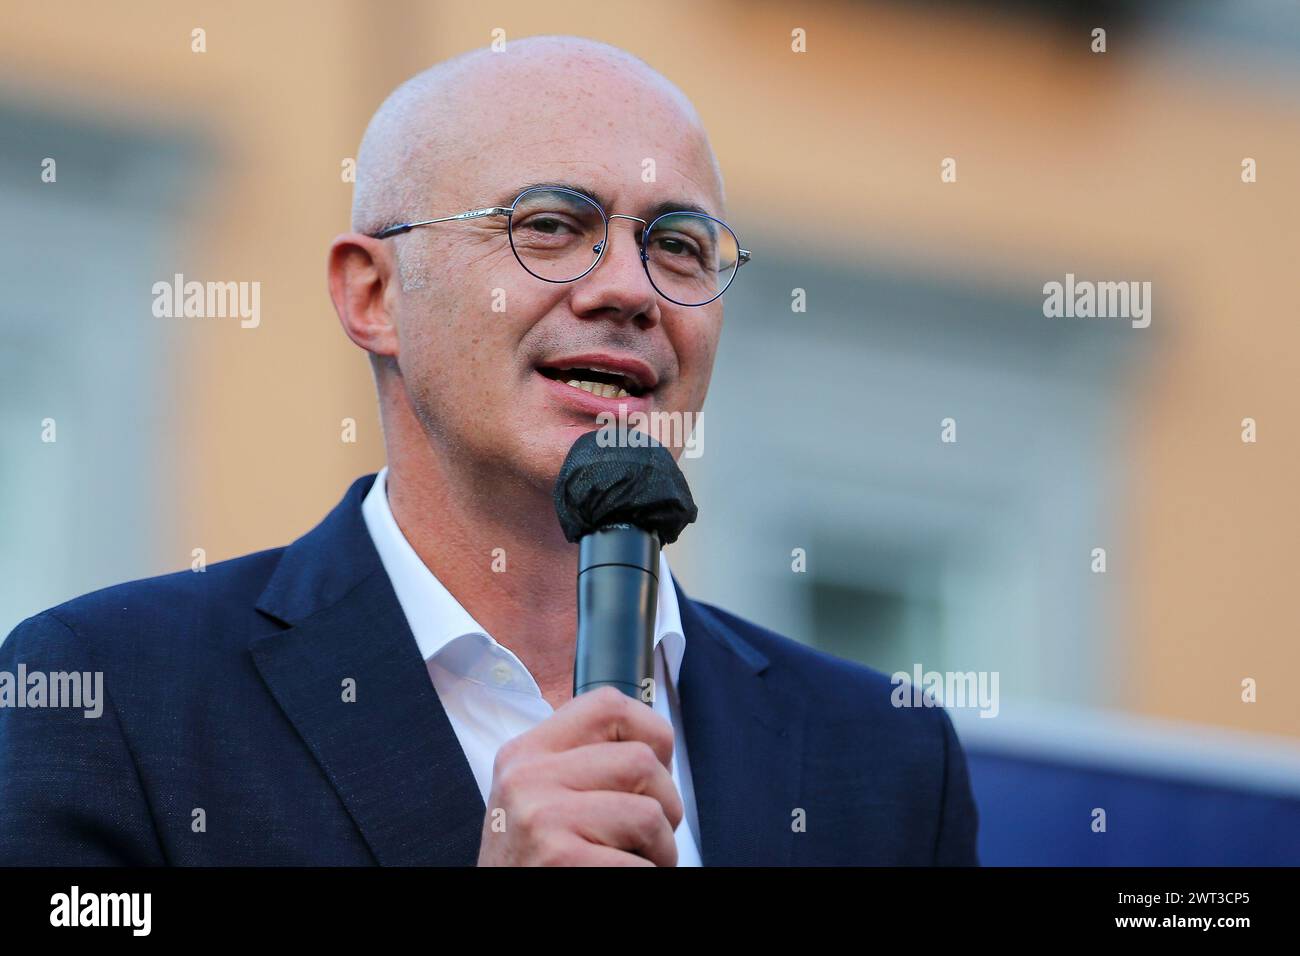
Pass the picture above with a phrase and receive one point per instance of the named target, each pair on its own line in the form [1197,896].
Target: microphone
[620,505]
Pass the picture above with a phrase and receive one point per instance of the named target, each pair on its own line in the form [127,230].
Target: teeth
[601,389]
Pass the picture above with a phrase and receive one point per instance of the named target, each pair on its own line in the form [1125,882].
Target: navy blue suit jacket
[224,695]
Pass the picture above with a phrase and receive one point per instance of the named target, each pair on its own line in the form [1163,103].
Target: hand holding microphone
[590,785]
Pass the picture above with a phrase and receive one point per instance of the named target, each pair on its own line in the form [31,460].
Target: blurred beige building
[227,164]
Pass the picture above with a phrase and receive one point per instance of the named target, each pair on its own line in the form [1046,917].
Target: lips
[604,376]
[586,381]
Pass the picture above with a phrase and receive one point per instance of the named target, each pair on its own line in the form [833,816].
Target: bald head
[432,131]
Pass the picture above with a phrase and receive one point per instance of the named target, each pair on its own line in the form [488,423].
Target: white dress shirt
[487,692]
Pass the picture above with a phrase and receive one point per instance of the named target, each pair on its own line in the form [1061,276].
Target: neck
[497,547]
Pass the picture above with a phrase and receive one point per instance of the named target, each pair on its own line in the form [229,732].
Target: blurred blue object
[1172,796]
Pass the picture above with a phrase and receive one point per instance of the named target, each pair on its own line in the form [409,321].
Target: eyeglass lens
[557,235]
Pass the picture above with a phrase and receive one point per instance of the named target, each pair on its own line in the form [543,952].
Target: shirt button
[501,673]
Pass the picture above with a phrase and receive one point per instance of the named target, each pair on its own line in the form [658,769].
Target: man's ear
[362,286]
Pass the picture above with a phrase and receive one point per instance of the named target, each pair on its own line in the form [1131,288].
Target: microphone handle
[618,595]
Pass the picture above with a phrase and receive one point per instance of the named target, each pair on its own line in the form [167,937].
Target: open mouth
[598,382]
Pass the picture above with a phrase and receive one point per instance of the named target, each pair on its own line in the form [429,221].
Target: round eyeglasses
[560,235]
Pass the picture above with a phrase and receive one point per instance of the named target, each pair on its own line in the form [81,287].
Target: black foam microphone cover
[624,484]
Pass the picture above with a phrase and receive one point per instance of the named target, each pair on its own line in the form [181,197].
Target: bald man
[395,687]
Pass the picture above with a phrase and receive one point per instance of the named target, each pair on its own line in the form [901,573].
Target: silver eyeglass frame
[742,255]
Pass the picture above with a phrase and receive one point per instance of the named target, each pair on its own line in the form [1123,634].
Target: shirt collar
[437,619]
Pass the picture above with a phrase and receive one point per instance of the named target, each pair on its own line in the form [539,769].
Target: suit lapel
[391,754]
[744,741]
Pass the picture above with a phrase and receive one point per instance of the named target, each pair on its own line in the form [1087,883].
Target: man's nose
[619,288]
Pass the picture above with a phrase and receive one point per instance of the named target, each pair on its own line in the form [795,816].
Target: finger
[627,766]
[603,715]
[580,852]
[626,821]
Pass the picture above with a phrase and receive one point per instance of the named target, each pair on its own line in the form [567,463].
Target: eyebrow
[651,214]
